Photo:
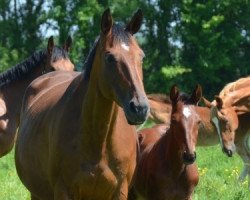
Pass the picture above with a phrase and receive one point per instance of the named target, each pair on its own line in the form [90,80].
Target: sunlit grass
[218,177]
[11,187]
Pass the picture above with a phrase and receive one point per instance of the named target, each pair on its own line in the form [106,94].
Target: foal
[166,169]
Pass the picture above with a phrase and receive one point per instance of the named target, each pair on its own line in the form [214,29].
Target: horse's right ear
[50,45]
[174,94]
[207,102]
[68,44]
[107,22]
[219,102]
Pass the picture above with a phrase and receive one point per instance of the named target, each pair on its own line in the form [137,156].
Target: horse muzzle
[136,113]
[189,158]
[228,152]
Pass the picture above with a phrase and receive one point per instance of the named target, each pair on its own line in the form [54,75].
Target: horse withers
[82,143]
[14,81]
[166,168]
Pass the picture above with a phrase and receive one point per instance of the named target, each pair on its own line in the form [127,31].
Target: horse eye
[52,69]
[109,58]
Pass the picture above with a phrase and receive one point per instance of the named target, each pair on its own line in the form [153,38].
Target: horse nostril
[228,152]
[133,107]
[189,158]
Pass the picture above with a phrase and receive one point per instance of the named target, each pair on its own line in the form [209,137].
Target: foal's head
[226,121]
[57,57]
[185,122]
[121,75]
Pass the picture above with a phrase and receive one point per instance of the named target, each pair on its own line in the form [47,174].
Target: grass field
[218,178]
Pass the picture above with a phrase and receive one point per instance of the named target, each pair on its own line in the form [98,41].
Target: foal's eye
[109,58]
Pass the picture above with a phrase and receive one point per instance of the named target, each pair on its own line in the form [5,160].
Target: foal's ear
[50,45]
[135,23]
[196,95]
[174,94]
[107,22]
[68,44]
[207,102]
[219,102]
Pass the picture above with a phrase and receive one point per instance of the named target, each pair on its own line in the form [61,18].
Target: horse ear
[215,118]
[68,44]
[219,102]
[196,95]
[50,45]
[206,102]
[107,22]
[174,94]
[135,23]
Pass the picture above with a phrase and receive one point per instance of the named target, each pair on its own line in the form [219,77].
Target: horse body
[166,169]
[82,143]
[15,81]
[160,108]
[242,143]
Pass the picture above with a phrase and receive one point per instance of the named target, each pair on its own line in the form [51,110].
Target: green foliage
[170,72]
[211,37]
[7,58]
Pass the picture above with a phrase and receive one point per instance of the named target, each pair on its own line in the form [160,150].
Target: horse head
[121,75]
[57,57]
[226,122]
[185,122]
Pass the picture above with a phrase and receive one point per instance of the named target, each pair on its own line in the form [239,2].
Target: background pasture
[218,177]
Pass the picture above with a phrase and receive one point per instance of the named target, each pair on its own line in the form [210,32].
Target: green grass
[11,187]
[218,177]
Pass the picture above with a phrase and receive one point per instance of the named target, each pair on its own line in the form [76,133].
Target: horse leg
[242,152]
[122,192]
[33,197]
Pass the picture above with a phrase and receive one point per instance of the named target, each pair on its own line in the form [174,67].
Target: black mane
[23,69]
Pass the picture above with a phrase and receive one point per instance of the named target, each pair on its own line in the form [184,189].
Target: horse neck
[170,151]
[206,126]
[98,116]
[13,93]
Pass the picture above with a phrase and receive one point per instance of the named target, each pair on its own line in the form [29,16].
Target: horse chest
[95,181]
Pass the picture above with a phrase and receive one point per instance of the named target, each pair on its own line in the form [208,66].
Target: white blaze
[125,47]
[186,112]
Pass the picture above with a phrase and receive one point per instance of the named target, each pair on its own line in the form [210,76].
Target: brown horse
[14,81]
[77,138]
[208,131]
[160,108]
[232,115]
[166,169]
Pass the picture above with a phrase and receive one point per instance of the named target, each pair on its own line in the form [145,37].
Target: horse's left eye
[109,58]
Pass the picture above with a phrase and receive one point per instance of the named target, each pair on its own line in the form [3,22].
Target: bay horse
[77,139]
[166,168]
[209,129]
[14,81]
[232,115]
[160,108]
